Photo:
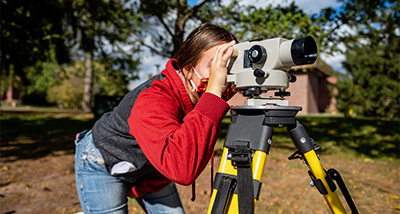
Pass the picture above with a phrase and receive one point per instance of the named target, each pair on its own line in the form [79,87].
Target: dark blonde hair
[200,40]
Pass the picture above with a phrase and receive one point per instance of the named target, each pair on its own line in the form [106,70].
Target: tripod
[238,181]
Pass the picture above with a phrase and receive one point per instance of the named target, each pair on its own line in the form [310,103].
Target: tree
[30,32]
[100,31]
[370,86]
[250,22]
[69,90]
[165,23]
[36,33]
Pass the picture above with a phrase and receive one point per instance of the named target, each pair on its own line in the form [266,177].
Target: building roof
[319,65]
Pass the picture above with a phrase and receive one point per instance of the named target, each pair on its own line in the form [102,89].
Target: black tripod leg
[225,189]
[336,176]
[300,138]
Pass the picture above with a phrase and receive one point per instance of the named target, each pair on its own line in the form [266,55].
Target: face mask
[201,88]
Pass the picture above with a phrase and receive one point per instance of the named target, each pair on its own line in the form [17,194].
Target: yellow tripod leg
[316,169]
[226,167]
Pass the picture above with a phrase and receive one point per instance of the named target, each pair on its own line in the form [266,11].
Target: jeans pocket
[95,157]
[93,154]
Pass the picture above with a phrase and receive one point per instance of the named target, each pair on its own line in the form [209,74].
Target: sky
[149,62]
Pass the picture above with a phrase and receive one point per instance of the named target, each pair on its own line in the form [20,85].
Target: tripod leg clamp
[240,156]
[320,186]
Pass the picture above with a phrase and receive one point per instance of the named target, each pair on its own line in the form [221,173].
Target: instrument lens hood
[304,51]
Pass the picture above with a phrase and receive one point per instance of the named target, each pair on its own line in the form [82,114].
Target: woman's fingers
[223,53]
[218,72]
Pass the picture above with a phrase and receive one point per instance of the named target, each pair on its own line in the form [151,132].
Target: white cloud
[334,61]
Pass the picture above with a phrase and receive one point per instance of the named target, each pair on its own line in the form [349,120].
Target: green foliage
[100,31]
[109,82]
[249,22]
[345,95]
[371,84]
[39,39]
[103,27]
[368,137]
[69,90]
[271,22]
[165,23]
[29,30]
[43,75]
[69,93]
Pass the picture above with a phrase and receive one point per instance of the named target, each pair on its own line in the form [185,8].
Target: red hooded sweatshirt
[177,138]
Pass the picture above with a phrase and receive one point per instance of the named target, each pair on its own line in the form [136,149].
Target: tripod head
[259,66]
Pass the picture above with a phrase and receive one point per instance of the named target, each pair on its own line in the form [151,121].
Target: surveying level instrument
[257,67]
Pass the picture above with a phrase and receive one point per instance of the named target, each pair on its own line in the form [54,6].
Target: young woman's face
[204,64]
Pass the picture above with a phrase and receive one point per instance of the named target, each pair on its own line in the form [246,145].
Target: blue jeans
[99,192]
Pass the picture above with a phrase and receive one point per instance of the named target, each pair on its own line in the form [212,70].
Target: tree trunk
[10,89]
[182,16]
[88,84]
[179,33]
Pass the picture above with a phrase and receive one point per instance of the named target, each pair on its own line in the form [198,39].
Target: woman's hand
[218,71]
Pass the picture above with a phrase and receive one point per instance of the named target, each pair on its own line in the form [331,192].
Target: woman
[164,131]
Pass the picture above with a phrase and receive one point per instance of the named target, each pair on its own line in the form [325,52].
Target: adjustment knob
[259,73]
[282,94]
[257,54]
[292,78]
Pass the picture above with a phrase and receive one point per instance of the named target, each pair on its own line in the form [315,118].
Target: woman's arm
[178,147]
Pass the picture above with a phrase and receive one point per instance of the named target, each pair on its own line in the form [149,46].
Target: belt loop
[81,134]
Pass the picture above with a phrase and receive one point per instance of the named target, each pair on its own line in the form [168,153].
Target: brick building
[310,91]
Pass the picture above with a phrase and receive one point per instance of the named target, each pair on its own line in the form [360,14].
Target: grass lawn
[364,137]
[36,145]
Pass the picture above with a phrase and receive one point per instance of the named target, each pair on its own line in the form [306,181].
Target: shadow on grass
[365,136]
[26,135]
[29,136]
